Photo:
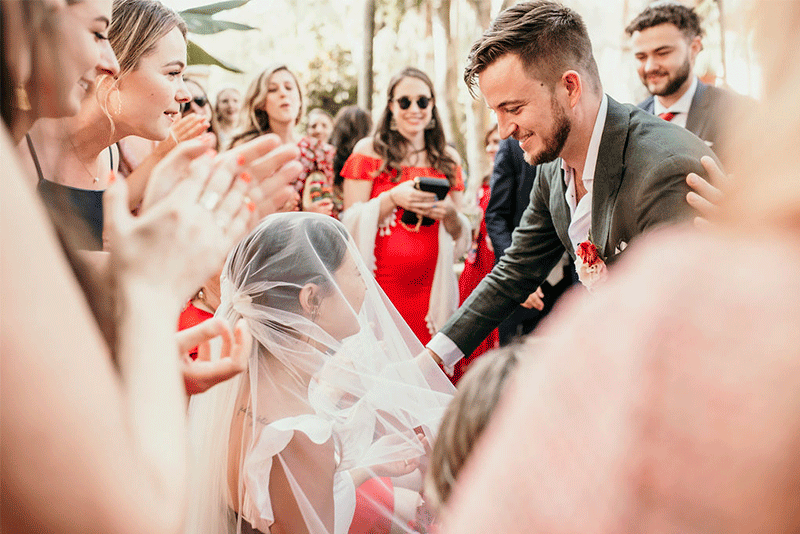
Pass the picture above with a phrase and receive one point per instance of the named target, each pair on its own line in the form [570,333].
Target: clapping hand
[197,206]
[183,129]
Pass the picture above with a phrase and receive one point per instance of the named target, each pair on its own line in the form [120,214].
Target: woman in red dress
[412,264]
[480,258]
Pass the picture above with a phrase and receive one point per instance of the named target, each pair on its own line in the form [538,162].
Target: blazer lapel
[608,174]
[559,210]
[698,111]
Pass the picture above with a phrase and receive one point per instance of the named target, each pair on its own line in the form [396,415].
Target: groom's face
[527,109]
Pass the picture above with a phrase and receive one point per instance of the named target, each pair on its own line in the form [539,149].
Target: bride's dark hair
[298,265]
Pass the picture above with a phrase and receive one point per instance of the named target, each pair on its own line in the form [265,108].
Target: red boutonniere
[590,266]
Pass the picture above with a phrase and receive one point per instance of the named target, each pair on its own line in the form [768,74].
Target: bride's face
[338,312]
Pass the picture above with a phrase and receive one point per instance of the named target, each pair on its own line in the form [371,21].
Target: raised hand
[201,374]
[707,194]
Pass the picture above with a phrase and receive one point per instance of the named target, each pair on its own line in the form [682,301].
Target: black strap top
[87,203]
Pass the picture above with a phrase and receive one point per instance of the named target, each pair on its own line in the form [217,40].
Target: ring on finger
[209,200]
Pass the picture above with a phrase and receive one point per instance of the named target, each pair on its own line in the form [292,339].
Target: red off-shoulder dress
[404,260]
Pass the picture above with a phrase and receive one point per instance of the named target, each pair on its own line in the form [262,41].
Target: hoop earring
[21,101]
[431,125]
[393,124]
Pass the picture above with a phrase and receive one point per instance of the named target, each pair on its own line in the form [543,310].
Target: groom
[612,171]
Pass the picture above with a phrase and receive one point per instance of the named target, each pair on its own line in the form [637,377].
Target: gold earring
[21,101]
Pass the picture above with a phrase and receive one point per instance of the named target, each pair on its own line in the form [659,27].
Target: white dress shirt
[680,108]
[580,222]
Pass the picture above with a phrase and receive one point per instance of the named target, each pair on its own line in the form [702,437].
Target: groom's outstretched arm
[534,251]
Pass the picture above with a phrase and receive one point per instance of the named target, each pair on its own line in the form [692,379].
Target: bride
[328,429]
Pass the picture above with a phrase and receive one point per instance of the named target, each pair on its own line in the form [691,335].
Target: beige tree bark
[455,115]
[365,81]
[482,118]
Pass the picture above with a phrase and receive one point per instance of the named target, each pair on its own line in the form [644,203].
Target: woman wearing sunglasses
[274,104]
[200,105]
[413,264]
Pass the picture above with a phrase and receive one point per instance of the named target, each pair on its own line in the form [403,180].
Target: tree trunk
[455,113]
[365,78]
[480,165]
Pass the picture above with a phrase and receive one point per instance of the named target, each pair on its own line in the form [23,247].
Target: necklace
[94,175]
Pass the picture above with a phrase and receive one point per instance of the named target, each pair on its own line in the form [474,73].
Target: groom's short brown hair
[548,37]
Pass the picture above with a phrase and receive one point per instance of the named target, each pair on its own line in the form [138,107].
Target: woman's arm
[312,468]
[84,448]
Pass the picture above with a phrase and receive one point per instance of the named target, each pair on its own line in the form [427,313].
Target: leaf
[197,56]
[211,9]
[204,24]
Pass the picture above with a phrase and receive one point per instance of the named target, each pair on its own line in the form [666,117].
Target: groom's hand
[433,355]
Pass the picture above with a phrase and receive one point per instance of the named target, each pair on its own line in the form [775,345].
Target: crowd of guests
[299,289]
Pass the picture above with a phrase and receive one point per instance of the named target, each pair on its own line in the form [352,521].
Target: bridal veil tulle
[333,394]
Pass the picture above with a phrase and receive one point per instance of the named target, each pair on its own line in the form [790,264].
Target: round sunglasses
[422,102]
[201,102]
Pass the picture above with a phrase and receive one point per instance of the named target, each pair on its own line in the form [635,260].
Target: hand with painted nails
[213,364]
[184,233]
[707,194]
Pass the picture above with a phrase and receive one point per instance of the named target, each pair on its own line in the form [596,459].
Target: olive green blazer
[639,184]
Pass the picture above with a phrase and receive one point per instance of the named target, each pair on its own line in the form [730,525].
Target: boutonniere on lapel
[590,266]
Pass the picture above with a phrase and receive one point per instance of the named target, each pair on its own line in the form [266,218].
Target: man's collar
[683,104]
[590,163]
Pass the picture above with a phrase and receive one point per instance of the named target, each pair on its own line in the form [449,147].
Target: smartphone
[440,186]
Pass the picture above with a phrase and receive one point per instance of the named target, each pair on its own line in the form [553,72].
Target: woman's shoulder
[366,147]
[363,162]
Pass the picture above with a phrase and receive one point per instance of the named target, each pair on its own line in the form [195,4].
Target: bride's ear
[310,299]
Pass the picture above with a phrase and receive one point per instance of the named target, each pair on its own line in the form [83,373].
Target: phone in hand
[440,186]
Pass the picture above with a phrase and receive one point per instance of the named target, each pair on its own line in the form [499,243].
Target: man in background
[666,38]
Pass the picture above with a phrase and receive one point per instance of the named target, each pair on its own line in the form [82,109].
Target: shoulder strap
[34,157]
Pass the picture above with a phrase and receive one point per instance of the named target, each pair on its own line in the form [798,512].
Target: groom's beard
[555,141]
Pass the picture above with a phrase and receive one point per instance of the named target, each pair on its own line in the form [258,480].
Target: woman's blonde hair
[255,121]
[136,27]
[466,417]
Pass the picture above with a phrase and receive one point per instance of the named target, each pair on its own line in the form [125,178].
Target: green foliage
[199,20]
[197,56]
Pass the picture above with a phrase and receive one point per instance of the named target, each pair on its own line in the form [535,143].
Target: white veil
[333,395]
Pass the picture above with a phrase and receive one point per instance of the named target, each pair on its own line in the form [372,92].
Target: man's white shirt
[680,108]
[580,221]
